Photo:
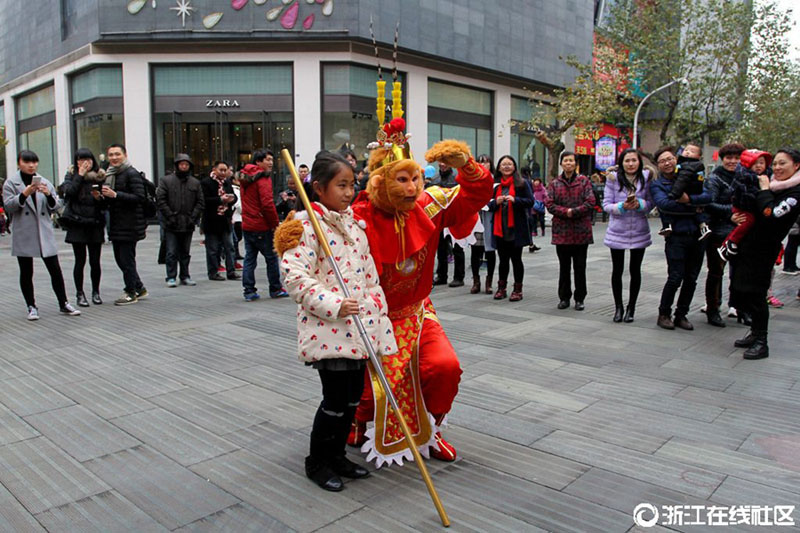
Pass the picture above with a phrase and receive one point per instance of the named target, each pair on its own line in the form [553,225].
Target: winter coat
[745,189]
[627,230]
[127,221]
[684,215]
[758,250]
[540,193]
[312,284]
[89,221]
[32,227]
[522,207]
[575,194]
[180,202]
[212,221]
[258,206]
[720,186]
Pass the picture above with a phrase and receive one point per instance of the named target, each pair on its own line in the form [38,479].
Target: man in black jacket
[446,179]
[219,200]
[180,202]
[124,191]
[722,221]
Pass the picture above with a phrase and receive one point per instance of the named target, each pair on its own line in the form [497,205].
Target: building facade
[219,79]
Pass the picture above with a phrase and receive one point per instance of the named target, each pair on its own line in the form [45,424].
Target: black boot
[80,299]
[628,318]
[96,300]
[323,475]
[714,318]
[344,467]
[746,341]
[618,313]
[743,317]
[759,349]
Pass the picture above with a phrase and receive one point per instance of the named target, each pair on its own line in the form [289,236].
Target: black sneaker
[142,293]
[323,475]
[126,299]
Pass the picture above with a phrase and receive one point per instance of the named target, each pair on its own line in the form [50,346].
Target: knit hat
[750,156]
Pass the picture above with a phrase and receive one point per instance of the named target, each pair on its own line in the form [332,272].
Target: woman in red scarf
[509,230]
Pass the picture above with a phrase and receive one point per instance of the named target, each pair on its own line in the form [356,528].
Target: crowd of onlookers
[739,214]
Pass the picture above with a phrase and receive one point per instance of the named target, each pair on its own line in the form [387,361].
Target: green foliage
[770,114]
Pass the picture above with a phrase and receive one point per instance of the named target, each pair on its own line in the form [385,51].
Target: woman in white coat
[30,200]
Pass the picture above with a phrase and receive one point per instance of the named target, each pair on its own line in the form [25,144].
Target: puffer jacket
[127,221]
[180,202]
[576,194]
[720,186]
[627,230]
[312,284]
[258,205]
[89,221]
[685,219]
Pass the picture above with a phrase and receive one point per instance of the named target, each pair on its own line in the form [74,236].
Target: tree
[770,117]
[703,41]
[591,99]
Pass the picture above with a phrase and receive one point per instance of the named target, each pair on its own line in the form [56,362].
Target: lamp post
[636,116]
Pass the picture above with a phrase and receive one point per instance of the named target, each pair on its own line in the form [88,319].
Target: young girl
[328,339]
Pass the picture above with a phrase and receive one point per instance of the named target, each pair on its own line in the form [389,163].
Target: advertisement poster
[605,153]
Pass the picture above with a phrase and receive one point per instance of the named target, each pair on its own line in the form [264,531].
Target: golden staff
[373,357]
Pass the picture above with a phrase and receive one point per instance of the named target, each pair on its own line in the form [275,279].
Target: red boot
[356,436]
[446,450]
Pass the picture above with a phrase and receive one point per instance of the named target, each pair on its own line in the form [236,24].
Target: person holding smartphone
[30,200]
[627,201]
[84,216]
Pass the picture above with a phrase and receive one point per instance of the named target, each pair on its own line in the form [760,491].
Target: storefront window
[462,113]
[348,109]
[97,109]
[222,112]
[3,170]
[36,127]
[528,151]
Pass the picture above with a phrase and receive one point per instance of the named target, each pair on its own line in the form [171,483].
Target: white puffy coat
[311,282]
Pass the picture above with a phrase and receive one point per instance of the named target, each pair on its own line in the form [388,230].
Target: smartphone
[631,196]
[96,187]
[36,180]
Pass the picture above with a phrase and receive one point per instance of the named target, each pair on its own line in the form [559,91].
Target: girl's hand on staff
[349,307]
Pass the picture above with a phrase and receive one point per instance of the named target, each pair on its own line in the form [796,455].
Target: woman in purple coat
[627,201]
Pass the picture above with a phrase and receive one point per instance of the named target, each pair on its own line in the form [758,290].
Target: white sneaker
[188,281]
[732,312]
[69,310]
[33,313]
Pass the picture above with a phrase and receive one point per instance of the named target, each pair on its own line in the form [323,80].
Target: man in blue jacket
[683,250]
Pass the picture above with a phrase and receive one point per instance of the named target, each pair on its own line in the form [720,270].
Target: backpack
[149,204]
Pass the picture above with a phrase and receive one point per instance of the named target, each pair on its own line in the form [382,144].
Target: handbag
[538,206]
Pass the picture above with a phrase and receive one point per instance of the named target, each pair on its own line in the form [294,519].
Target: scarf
[221,192]
[498,219]
[112,172]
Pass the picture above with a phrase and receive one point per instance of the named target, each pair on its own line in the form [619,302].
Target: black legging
[756,304]
[56,279]
[618,265]
[79,249]
[508,251]
[477,253]
[341,392]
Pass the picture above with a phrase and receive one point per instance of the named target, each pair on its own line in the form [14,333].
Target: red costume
[425,372]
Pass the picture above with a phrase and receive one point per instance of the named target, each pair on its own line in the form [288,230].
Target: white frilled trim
[466,241]
[399,457]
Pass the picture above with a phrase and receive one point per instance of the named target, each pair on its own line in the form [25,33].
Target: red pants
[738,233]
[439,373]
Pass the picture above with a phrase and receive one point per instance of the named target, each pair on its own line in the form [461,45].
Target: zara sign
[211,103]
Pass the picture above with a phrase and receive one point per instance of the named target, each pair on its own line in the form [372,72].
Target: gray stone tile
[104,398]
[241,518]
[718,459]
[211,412]
[277,491]
[27,395]
[139,380]
[14,517]
[81,433]
[268,405]
[280,380]
[659,470]
[160,487]
[14,428]
[366,519]
[533,393]
[506,427]
[178,439]
[107,511]
[199,377]
[42,476]
[734,491]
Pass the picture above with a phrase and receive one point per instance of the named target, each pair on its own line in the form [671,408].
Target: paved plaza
[189,411]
